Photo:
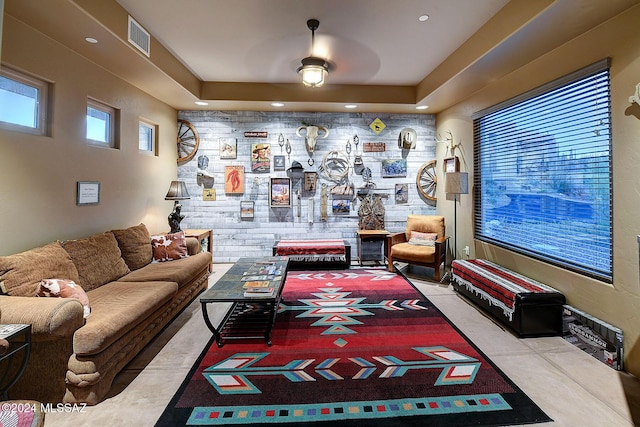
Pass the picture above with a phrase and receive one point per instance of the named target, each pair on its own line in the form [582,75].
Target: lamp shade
[177,191]
[313,71]
[456,183]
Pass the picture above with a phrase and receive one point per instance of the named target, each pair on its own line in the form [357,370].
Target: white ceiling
[243,54]
[377,42]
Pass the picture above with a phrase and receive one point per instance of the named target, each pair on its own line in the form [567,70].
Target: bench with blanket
[528,307]
[327,253]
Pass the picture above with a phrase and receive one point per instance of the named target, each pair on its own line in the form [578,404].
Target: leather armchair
[399,247]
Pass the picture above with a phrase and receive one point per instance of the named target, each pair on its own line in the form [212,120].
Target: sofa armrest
[50,318]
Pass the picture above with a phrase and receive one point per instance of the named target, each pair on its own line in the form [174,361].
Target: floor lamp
[456,183]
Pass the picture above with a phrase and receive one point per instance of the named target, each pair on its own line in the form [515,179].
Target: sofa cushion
[62,288]
[21,273]
[98,260]
[181,271]
[135,245]
[118,307]
[409,252]
[169,247]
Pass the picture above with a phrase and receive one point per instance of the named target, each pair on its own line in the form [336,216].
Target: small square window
[101,127]
[147,137]
[23,102]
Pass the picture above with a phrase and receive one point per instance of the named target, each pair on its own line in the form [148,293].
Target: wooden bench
[315,254]
[529,308]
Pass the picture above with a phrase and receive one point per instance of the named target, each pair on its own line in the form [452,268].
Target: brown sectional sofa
[74,359]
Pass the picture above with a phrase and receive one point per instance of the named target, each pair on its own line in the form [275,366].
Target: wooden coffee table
[248,317]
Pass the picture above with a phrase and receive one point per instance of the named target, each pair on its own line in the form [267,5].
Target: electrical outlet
[466,250]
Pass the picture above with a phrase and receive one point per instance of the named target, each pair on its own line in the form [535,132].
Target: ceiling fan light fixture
[313,69]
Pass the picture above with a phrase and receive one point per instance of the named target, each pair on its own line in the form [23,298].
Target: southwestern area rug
[359,347]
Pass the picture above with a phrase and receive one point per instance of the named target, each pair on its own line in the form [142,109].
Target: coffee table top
[229,288]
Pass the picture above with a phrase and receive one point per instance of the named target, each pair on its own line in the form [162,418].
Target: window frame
[112,112]
[154,136]
[42,109]
[482,217]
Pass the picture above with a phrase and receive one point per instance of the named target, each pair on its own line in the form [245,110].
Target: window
[101,127]
[147,137]
[23,102]
[543,173]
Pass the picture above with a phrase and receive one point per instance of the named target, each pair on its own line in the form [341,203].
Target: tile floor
[573,388]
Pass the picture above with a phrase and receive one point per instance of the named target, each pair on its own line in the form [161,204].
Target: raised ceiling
[243,54]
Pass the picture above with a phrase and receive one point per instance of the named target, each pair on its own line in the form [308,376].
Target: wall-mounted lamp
[177,191]
[313,69]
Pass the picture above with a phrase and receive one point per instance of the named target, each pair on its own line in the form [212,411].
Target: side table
[371,245]
[19,337]
[205,237]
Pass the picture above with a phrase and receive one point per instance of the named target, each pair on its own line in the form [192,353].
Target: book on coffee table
[259,292]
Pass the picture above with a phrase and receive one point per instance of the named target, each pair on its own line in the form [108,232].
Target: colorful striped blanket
[312,250]
[494,283]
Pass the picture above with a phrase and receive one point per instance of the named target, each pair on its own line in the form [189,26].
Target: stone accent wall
[235,237]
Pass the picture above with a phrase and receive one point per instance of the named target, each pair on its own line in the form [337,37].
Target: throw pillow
[423,239]
[169,247]
[62,288]
[20,273]
[98,260]
[134,243]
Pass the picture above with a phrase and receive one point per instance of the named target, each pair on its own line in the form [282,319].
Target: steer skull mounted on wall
[311,134]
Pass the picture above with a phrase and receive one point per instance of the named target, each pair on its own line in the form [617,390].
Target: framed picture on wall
[451,164]
[278,163]
[340,206]
[234,179]
[280,192]
[246,209]
[393,168]
[228,148]
[87,193]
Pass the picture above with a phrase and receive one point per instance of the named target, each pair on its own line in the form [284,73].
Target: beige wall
[618,304]
[38,175]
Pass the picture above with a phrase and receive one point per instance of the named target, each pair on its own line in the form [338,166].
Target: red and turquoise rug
[354,348]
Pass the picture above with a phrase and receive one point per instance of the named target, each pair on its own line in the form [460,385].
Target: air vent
[139,37]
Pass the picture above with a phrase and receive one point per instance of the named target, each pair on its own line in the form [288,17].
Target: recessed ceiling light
[351,106]
[422,107]
[91,40]
[277,104]
[201,103]
[423,18]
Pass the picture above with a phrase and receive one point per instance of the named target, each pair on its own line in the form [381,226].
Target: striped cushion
[494,283]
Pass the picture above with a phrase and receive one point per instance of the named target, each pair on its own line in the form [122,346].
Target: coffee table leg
[212,328]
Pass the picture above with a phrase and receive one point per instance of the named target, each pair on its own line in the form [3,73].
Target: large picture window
[543,173]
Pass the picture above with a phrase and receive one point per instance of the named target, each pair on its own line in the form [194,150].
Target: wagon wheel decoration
[188,141]
[427,181]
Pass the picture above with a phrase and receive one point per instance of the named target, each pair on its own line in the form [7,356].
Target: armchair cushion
[425,224]
[423,239]
[416,253]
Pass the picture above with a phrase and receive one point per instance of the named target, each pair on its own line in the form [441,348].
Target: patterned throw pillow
[62,288]
[423,239]
[169,247]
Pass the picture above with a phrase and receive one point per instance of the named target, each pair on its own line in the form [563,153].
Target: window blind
[543,173]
